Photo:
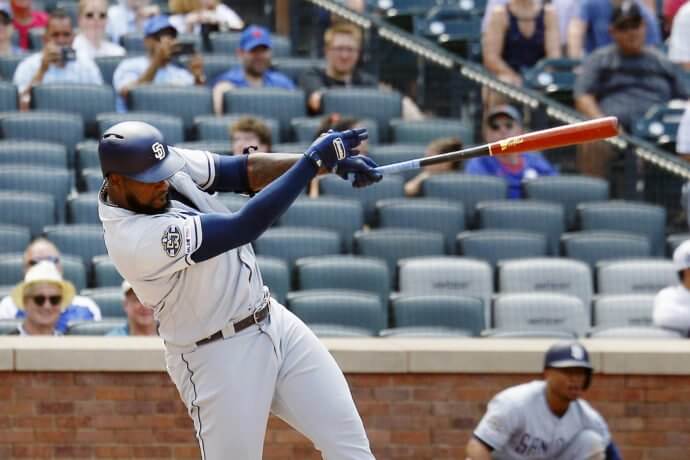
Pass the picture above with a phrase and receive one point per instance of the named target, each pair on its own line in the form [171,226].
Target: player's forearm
[477,451]
[264,168]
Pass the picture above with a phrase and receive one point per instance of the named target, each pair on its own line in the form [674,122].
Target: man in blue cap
[254,52]
[158,66]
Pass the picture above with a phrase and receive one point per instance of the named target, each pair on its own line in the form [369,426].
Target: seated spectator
[80,309]
[91,40]
[203,16]
[57,62]
[249,134]
[672,303]
[140,319]
[25,18]
[42,296]
[343,44]
[255,70]
[679,41]
[413,187]
[518,35]
[624,79]
[337,122]
[129,16]
[6,31]
[590,29]
[159,66]
[505,121]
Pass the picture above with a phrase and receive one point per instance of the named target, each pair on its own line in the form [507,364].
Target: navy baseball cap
[157,24]
[627,12]
[254,36]
[506,110]
[567,354]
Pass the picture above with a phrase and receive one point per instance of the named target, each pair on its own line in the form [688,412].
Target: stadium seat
[28,209]
[170,126]
[595,246]
[533,333]
[107,66]
[80,240]
[52,181]
[526,311]
[388,187]
[82,99]
[659,125]
[450,311]
[623,310]
[636,333]
[83,209]
[293,67]
[342,308]
[424,332]
[344,272]
[394,153]
[133,43]
[391,245]
[334,330]
[92,179]
[217,128]
[13,238]
[216,64]
[565,276]
[185,102]
[634,217]
[305,128]
[291,243]
[228,42]
[33,153]
[233,201]
[675,240]
[527,215]
[108,299]
[461,35]
[281,104]
[569,191]
[291,147]
[95,327]
[635,276]
[344,216]
[62,127]
[11,269]
[493,246]
[425,131]
[219,147]
[8,64]
[467,189]
[104,272]
[87,155]
[276,275]
[71,8]
[36,38]
[423,214]
[9,325]
[8,96]
[373,103]
[554,77]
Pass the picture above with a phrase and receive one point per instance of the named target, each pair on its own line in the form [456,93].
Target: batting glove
[333,146]
[361,167]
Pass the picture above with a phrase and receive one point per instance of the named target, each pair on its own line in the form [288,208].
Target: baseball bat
[561,136]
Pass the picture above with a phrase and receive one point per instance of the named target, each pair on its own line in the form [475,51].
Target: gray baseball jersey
[519,425]
[153,253]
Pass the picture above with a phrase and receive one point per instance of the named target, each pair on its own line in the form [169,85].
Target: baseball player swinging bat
[561,136]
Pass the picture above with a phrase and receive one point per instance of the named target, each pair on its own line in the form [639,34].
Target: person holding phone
[57,62]
[161,65]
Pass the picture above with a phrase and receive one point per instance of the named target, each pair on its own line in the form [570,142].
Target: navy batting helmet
[137,150]
[568,354]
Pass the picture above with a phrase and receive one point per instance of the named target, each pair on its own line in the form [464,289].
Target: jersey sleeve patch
[172,240]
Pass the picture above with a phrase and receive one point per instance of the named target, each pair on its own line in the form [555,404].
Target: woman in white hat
[43,295]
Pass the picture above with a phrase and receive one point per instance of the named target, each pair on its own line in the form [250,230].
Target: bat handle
[399,167]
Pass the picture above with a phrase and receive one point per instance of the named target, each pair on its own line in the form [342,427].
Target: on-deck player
[546,419]
[234,353]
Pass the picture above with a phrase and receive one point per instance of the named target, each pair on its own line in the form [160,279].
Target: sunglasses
[53,259]
[496,126]
[91,15]
[40,299]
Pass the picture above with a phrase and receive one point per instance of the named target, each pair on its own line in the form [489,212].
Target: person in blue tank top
[501,122]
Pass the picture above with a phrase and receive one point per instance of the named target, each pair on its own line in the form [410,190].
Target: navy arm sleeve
[612,452]
[231,174]
[223,232]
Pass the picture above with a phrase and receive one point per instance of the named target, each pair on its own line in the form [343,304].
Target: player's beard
[135,205]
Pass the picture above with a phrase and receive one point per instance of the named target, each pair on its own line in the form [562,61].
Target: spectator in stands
[81,308]
[25,18]
[501,122]
[57,62]
[203,16]
[590,29]
[249,134]
[679,41]
[413,187]
[624,79]
[254,52]
[42,296]
[140,319]
[160,65]
[518,35]
[6,30]
[343,43]
[337,122]
[683,149]
[91,40]
[672,304]
[129,16]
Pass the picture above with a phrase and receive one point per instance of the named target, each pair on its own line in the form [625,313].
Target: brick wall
[74,415]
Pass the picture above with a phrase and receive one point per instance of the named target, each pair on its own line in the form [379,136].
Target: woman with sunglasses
[91,40]
[43,295]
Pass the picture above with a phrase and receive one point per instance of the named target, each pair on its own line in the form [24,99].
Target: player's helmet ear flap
[138,151]
[569,354]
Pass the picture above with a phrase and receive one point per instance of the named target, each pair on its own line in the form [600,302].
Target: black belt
[255,318]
